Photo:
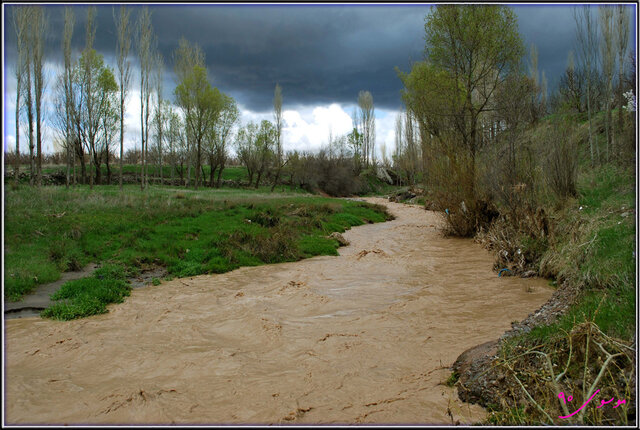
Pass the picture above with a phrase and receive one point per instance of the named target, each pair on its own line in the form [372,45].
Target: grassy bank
[51,230]
[590,252]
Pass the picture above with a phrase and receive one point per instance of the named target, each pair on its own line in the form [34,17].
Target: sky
[322,55]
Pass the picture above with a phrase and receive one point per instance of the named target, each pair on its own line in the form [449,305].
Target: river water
[365,337]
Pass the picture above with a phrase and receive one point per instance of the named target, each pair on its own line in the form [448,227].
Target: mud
[366,337]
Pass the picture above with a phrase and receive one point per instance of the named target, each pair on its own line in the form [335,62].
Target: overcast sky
[322,55]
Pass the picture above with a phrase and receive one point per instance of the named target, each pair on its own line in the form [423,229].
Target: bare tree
[20,22]
[37,32]
[608,53]
[28,12]
[368,126]
[622,38]
[587,41]
[277,113]
[88,85]
[145,55]
[123,28]
[69,20]
[161,114]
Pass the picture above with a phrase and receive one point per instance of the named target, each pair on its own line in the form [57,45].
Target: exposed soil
[365,337]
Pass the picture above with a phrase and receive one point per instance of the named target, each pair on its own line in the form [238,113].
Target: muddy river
[365,337]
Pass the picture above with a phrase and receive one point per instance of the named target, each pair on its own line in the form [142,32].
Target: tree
[587,37]
[571,87]
[367,126]
[246,149]
[622,38]
[175,138]
[123,45]
[145,55]
[96,106]
[185,58]
[27,15]
[265,142]
[223,127]
[37,31]
[20,25]
[607,55]
[277,113]
[476,45]
[69,21]
[201,105]
[161,109]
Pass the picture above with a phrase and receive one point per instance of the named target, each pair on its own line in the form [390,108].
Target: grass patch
[51,230]
[89,296]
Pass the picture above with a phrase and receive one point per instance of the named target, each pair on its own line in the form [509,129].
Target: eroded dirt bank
[361,338]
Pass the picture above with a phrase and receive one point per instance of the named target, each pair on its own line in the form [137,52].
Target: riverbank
[51,231]
[363,337]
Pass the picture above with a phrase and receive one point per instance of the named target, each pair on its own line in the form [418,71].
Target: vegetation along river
[365,337]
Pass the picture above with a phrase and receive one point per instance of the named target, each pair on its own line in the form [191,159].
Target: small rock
[337,236]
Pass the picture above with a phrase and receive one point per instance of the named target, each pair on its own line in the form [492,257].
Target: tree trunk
[39,135]
[108,168]
[199,152]
[121,140]
[211,173]
[16,170]
[219,183]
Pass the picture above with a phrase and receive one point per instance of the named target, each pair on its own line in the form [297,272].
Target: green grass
[89,296]
[594,250]
[52,230]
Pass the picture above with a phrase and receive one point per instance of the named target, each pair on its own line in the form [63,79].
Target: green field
[52,230]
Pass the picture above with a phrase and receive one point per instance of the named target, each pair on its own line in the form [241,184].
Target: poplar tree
[20,23]
[123,45]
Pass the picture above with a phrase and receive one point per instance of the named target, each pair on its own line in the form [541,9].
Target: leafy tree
[476,45]
[247,149]
[265,145]
[94,105]
[219,136]
[201,104]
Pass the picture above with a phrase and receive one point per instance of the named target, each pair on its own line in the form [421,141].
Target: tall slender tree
[608,59]
[88,71]
[185,58]
[277,114]
[145,55]
[587,44]
[123,29]
[622,39]
[28,96]
[38,31]
[367,126]
[161,113]
[69,21]
[20,25]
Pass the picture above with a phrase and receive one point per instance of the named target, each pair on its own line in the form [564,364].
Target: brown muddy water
[365,337]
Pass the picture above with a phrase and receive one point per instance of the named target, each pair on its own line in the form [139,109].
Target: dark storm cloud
[318,53]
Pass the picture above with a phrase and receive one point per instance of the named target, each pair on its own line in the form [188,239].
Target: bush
[561,166]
